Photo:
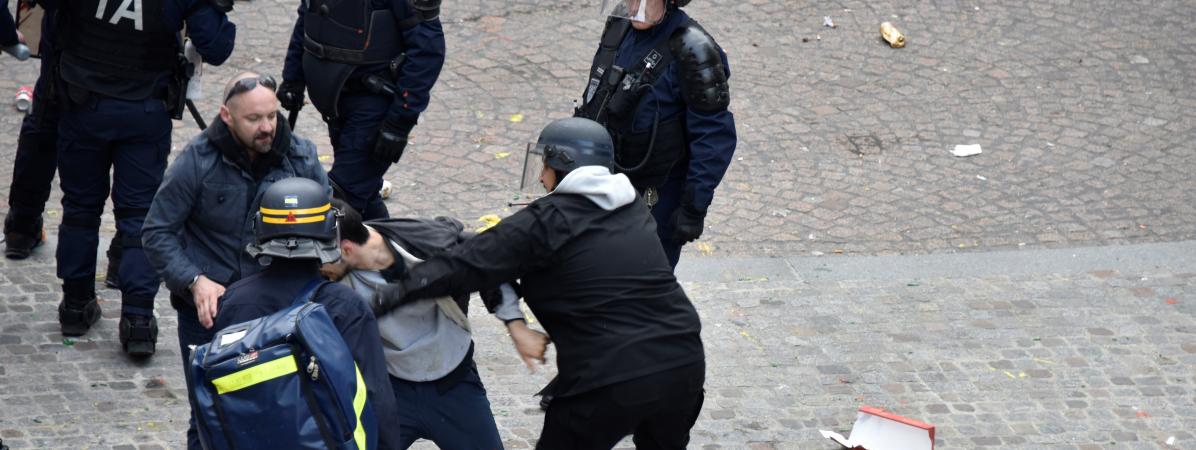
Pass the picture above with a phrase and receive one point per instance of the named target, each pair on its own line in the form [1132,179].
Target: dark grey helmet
[575,142]
[296,221]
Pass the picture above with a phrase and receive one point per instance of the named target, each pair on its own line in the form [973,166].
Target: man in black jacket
[594,273]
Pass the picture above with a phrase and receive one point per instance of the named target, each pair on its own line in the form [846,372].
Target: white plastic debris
[1171,441]
[877,429]
[827,22]
[981,178]
[966,150]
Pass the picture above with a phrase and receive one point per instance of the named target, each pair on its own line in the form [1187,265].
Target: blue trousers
[459,418]
[37,150]
[131,138]
[353,135]
[669,200]
[191,333]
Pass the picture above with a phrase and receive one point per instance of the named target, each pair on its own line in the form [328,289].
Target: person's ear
[226,115]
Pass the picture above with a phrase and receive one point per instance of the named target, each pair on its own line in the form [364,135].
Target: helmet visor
[646,11]
[533,165]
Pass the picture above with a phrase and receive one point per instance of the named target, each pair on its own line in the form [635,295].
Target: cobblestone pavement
[1083,109]
[1097,353]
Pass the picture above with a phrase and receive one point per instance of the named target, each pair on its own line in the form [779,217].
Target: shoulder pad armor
[700,65]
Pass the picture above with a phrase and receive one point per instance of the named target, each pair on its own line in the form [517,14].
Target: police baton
[293,116]
[195,115]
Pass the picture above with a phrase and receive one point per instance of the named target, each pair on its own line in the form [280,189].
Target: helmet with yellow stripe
[295,220]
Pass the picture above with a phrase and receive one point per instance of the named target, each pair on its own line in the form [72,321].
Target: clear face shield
[533,164]
[644,11]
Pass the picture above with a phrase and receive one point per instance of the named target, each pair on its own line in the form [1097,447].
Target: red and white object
[877,429]
[24,98]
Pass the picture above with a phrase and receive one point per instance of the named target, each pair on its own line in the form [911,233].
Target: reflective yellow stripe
[284,221]
[358,406]
[256,374]
[283,212]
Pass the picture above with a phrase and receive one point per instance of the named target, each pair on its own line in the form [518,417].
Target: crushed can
[24,98]
[892,35]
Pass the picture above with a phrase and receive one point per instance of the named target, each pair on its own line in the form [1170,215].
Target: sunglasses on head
[247,84]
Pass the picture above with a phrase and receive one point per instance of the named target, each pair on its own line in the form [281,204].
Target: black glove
[387,297]
[688,220]
[290,95]
[392,140]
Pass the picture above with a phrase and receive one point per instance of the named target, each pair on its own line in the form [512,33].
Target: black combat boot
[115,251]
[22,235]
[79,309]
[138,333]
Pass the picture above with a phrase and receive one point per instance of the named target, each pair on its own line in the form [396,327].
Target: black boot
[138,335]
[79,309]
[115,251]
[22,235]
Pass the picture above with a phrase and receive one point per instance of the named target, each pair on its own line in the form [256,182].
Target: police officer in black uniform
[587,256]
[119,83]
[369,66]
[35,162]
[659,85]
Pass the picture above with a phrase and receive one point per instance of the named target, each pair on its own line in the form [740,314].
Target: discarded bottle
[24,98]
[892,35]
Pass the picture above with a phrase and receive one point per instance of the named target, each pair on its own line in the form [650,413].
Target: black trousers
[659,409]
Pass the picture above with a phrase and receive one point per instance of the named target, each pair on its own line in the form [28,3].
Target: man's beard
[259,145]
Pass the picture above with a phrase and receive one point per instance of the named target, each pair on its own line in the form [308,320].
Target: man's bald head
[250,110]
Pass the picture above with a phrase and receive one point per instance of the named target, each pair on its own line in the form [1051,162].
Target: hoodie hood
[608,191]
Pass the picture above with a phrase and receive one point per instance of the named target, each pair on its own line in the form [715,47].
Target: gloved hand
[387,297]
[688,220]
[392,139]
[290,95]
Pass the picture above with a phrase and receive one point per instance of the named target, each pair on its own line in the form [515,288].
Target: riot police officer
[119,85]
[369,75]
[35,162]
[659,84]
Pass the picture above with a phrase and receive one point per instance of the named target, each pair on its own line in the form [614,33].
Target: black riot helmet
[295,220]
[567,144]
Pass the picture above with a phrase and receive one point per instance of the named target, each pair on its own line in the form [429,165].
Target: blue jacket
[712,136]
[202,216]
[275,289]
[425,51]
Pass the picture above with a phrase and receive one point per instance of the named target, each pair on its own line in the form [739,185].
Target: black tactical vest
[351,32]
[114,47]
[612,97]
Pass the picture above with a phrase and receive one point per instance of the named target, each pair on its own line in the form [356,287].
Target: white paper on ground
[966,150]
[873,432]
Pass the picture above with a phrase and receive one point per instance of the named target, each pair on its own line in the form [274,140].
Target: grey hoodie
[608,191]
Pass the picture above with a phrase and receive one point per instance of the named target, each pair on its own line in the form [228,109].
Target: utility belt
[172,92]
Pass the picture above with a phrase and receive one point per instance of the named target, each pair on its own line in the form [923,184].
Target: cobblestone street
[1040,295]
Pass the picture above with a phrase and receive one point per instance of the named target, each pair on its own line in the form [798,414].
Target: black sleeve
[502,253]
